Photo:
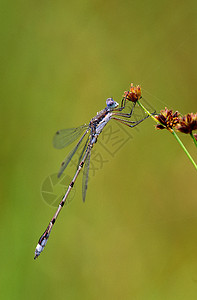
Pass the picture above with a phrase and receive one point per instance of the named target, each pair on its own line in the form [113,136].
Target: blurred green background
[136,235]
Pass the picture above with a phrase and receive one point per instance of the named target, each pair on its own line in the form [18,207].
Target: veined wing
[139,113]
[83,151]
[86,175]
[66,137]
[135,112]
[70,155]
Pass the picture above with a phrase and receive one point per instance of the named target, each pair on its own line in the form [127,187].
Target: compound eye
[111,103]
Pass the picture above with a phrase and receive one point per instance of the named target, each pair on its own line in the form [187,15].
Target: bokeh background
[136,235]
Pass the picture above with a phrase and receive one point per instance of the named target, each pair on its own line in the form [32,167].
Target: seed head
[133,94]
[167,119]
[187,123]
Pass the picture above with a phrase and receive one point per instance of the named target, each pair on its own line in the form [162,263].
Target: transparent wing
[65,137]
[85,176]
[139,113]
[70,155]
[133,114]
[83,151]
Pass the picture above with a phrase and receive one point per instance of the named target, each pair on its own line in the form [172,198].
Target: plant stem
[174,133]
[144,108]
[195,142]
[183,147]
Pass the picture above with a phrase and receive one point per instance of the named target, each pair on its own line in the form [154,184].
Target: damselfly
[91,131]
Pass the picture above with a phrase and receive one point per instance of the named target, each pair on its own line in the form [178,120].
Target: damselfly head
[111,103]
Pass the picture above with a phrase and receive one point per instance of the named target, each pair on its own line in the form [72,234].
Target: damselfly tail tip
[35,256]
[38,250]
[42,242]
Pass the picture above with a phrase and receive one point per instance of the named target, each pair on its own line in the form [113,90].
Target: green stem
[183,147]
[174,133]
[195,142]
[144,108]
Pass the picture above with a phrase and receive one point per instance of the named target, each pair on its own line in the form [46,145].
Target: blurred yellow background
[136,235]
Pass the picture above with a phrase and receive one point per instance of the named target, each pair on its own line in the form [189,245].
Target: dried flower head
[167,119]
[187,123]
[133,94]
